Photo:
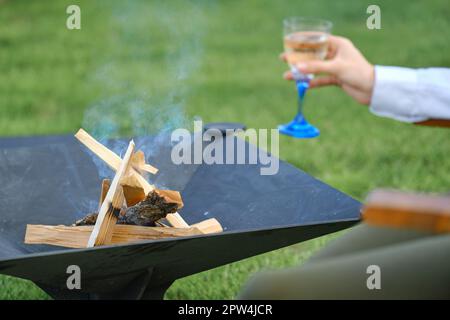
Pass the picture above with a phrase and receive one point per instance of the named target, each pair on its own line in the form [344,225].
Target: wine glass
[304,39]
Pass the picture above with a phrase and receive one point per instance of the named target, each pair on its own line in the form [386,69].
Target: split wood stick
[138,162]
[106,183]
[113,160]
[161,224]
[176,220]
[77,237]
[110,158]
[111,206]
[397,209]
[132,190]
[444,123]
[208,226]
[171,196]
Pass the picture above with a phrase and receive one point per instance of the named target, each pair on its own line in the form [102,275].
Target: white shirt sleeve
[411,95]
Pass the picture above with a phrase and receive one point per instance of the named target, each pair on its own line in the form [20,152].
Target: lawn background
[218,60]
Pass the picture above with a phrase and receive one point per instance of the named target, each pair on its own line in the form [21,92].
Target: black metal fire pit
[53,180]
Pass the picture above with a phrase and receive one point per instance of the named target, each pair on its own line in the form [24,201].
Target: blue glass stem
[302,86]
[299,127]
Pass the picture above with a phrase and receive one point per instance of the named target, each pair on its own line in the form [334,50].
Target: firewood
[176,220]
[147,211]
[159,223]
[171,196]
[91,218]
[132,190]
[113,160]
[111,206]
[109,157]
[129,205]
[88,220]
[77,237]
[106,183]
[138,163]
[134,193]
[208,226]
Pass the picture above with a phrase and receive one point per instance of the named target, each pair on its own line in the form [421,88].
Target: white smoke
[154,49]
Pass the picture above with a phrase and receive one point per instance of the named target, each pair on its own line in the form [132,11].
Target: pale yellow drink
[305,45]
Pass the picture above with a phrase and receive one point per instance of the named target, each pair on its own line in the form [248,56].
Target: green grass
[218,60]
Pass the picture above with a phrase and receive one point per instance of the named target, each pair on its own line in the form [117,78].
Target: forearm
[411,95]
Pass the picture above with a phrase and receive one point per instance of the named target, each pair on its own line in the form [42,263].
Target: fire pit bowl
[53,180]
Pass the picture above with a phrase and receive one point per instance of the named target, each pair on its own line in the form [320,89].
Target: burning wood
[110,158]
[111,206]
[77,237]
[88,220]
[144,213]
[149,210]
[106,183]
[113,160]
[130,208]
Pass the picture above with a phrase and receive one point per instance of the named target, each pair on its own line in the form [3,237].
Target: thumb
[317,66]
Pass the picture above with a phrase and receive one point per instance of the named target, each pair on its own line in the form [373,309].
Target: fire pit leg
[140,287]
[156,293]
[64,294]
[131,291]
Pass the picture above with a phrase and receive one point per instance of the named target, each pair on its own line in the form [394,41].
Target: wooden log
[132,190]
[87,220]
[113,160]
[92,217]
[208,226]
[142,210]
[148,211]
[396,209]
[77,237]
[111,206]
[134,194]
[176,220]
[138,163]
[171,196]
[444,123]
[106,183]
[159,223]
[110,158]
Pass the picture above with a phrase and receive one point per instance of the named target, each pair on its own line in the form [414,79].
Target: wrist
[369,82]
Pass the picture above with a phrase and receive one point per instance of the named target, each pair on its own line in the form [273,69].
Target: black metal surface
[224,126]
[53,180]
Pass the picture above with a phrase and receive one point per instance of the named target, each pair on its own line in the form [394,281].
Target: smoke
[154,48]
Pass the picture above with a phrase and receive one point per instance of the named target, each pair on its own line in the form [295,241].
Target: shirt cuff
[395,94]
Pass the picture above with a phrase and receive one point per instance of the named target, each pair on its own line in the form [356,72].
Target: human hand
[345,66]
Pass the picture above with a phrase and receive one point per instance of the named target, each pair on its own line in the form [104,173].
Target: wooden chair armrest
[398,209]
[435,123]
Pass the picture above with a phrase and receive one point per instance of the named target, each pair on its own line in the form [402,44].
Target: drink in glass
[304,39]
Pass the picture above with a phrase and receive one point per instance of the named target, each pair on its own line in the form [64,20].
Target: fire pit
[51,180]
